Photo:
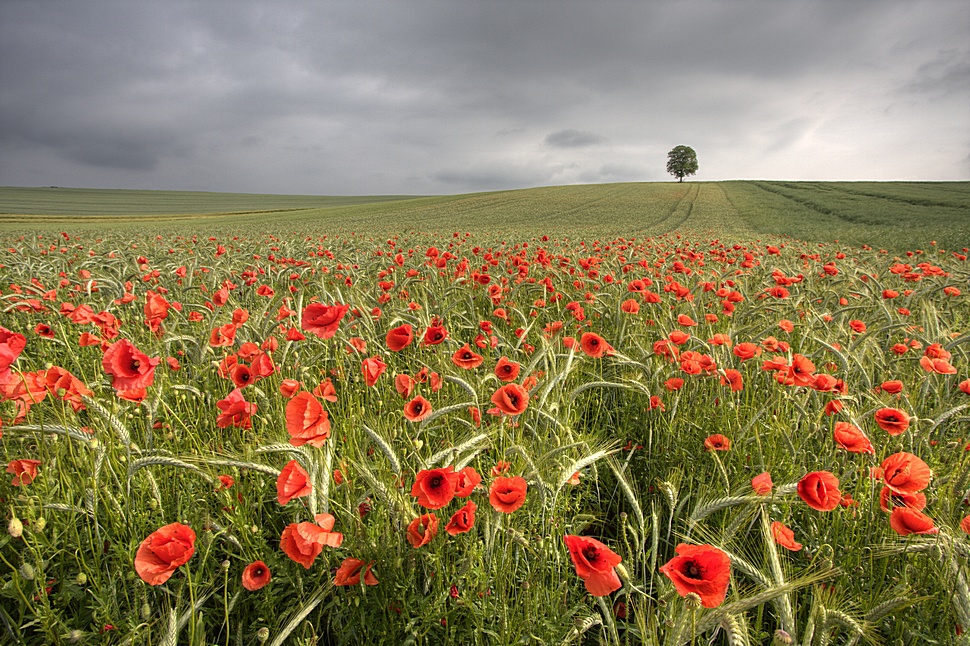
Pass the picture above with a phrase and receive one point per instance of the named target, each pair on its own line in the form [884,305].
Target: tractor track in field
[690,196]
[808,204]
[588,203]
[899,199]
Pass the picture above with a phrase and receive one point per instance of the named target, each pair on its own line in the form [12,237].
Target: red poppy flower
[223,336]
[298,545]
[422,529]
[350,571]
[938,366]
[905,473]
[762,483]
[163,552]
[322,320]
[44,330]
[435,334]
[678,337]
[462,520]
[888,499]
[820,490]
[235,411]
[892,420]
[906,521]
[11,345]
[156,310]
[306,421]
[733,378]
[784,536]
[674,383]
[62,384]
[893,386]
[507,370]
[511,399]
[595,564]
[136,395]
[746,350]
[241,375]
[965,386]
[255,576]
[399,338]
[292,482]
[851,438]
[129,367]
[936,351]
[800,373]
[965,524]
[507,494]
[372,368]
[702,569]
[24,471]
[289,388]
[466,359]
[468,479]
[417,409]
[630,306]
[717,442]
[404,385]
[326,391]
[303,542]
[857,326]
[594,345]
[434,488]
[323,530]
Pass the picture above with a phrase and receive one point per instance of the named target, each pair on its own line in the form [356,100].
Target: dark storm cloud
[425,96]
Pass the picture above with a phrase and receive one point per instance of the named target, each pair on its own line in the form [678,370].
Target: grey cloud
[424,96]
[573,139]
[947,73]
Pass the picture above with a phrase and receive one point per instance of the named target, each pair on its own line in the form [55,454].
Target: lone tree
[681,162]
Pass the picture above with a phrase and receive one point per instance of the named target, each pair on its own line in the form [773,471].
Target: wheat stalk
[385,448]
[300,614]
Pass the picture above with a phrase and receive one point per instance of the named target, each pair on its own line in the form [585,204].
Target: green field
[682,412]
[894,215]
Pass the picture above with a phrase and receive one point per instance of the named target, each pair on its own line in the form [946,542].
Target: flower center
[692,570]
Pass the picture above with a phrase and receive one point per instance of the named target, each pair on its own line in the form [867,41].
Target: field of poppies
[307,430]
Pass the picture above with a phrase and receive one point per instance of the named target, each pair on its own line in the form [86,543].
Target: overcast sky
[452,96]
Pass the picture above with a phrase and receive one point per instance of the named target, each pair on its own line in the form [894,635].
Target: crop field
[727,413]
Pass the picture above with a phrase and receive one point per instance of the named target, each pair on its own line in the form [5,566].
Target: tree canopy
[681,162]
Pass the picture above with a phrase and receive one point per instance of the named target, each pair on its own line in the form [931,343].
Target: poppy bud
[621,572]
[15,528]
[27,571]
